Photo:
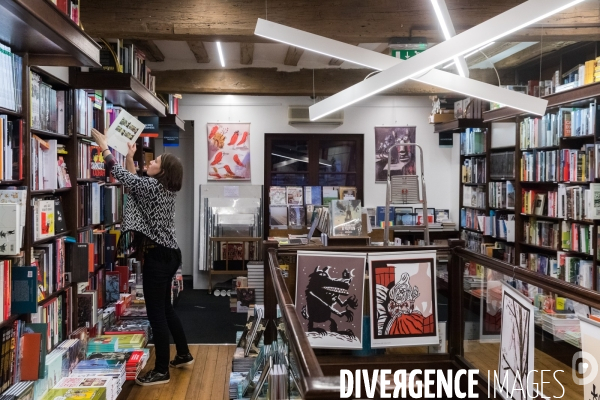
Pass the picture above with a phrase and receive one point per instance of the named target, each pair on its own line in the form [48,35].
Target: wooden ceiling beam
[197,47]
[246,53]
[531,53]
[363,22]
[269,81]
[293,56]
[149,48]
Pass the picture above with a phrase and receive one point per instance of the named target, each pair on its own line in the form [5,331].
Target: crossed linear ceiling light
[443,16]
[381,62]
[419,67]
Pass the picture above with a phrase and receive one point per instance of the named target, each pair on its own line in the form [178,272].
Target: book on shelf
[23,291]
[539,132]
[49,107]
[577,237]
[577,121]
[294,195]
[380,219]
[469,218]
[473,170]
[296,216]
[474,196]
[313,195]
[43,217]
[44,164]
[278,217]
[11,228]
[11,78]
[473,141]
[501,195]
[11,146]
[541,233]
[404,216]
[502,165]
[348,193]
[277,196]
[346,218]
[330,193]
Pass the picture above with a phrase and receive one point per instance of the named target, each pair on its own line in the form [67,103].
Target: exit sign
[405,54]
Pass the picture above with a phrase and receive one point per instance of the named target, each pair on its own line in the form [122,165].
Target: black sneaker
[153,378]
[181,361]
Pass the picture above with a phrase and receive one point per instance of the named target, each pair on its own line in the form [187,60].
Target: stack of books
[103,344]
[18,391]
[80,393]
[256,280]
[131,341]
[241,363]
[114,368]
[106,382]
[235,378]
[140,326]
[560,324]
[135,364]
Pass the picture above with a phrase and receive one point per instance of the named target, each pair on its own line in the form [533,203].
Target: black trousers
[160,265]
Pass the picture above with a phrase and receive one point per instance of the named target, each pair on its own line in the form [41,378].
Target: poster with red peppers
[228,151]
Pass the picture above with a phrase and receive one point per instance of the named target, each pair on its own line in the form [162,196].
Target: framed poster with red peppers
[228,151]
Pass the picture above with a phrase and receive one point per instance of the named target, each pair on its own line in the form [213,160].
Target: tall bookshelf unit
[41,34]
[584,97]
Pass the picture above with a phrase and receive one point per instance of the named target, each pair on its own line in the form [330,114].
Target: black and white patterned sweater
[150,207]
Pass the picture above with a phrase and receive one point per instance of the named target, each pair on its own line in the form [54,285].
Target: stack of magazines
[114,368]
[106,382]
[135,364]
[132,326]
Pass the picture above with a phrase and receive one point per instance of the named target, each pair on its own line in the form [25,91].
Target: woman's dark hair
[171,172]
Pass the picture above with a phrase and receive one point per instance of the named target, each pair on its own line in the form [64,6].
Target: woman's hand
[100,139]
[132,149]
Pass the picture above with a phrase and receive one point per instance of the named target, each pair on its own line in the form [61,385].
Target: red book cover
[91,267]
[31,356]
[7,293]
[124,278]
[97,162]
[136,357]
[62,6]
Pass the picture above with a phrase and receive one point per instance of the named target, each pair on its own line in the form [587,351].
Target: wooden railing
[314,384]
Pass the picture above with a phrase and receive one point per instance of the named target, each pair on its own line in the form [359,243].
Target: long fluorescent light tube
[488,31]
[371,59]
[220,54]
[443,16]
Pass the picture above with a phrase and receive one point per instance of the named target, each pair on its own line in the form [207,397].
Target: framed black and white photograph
[402,160]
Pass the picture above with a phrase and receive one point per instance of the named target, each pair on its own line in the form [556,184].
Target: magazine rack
[404,189]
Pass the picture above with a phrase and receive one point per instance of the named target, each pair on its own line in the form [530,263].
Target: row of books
[575,270]
[541,233]
[50,109]
[99,204]
[11,79]
[11,148]
[501,195]
[473,170]
[12,220]
[469,108]
[48,169]
[474,196]
[502,165]
[567,165]
[70,8]
[473,141]
[118,56]
[309,195]
[496,225]
[579,75]
[91,162]
[469,218]
[539,132]
[87,116]
[577,237]
[48,217]
[476,242]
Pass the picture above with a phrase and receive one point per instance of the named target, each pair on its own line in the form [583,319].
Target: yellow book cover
[589,72]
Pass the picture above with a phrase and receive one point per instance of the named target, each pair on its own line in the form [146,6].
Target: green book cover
[566,236]
[79,393]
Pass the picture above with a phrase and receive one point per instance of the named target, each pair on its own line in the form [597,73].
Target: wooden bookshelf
[119,89]
[171,121]
[40,29]
[459,125]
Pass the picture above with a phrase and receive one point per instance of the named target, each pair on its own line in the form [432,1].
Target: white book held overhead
[125,129]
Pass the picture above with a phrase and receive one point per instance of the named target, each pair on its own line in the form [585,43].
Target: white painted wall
[268,114]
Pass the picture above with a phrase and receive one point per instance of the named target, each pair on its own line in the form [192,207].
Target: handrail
[577,293]
[312,383]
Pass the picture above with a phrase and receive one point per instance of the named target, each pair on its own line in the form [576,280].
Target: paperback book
[346,218]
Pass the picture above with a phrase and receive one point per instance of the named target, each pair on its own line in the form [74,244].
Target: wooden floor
[207,379]
[484,356]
